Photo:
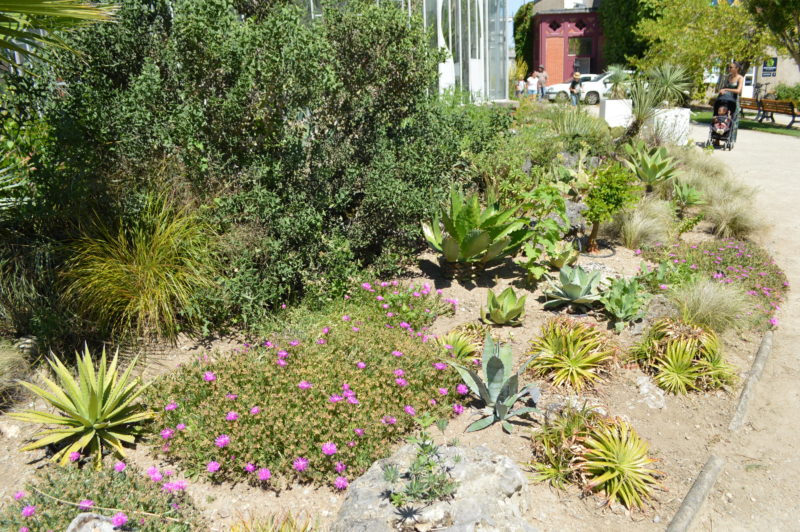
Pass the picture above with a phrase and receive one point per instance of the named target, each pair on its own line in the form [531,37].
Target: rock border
[702,485]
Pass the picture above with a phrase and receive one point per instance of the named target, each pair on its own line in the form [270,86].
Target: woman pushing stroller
[724,125]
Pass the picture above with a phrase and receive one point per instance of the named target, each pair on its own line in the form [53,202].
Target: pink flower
[74,456]
[283,353]
[340,483]
[432,402]
[326,330]
[119,519]
[355,329]
[281,362]
[389,315]
[180,426]
[171,406]
[321,341]
[340,467]
[379,298]
[388,420]
[178,485]
[345,318]
[443,391]
[366,286]
[283,305]
[255,410]
[212,467]
[401,382]
[458,409]
[399,373]
[385,306]
[294,343]
[156,477]
[119,467]
[663,286]
[167,433]
[410,410]
[231,396]
[359,432]
[300,464]
[209,376]
[329,448]
[232,416]
[222,440]
[264,474]
[24,529]
[397,353]
[404,325]
[439,366]
[304,385]
[351,443]
[773,322]
[19,495]
[249,467]
[152,470]
[28,511]
[360,365]
[335,398]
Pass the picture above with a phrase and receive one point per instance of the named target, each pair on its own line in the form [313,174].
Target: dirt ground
[758,488]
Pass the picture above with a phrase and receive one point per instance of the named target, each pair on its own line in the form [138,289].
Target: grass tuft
[647,223]
[711,303]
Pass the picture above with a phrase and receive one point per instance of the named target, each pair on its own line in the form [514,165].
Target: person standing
[520,90]
[532,84]
[575,89]
[541,75]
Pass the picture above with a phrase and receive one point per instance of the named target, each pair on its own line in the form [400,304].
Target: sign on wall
[770,68]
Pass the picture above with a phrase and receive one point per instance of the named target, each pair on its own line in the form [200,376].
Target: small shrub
[683,357]
[427,480]
[547,209]
[615,461]
[338,390]
[582,446]
[730,211]
[624,301]
[611,191]
[499,387]
[98,412]
[579,130]
[505,309]
[14,365]
[146,504]
[570,353]
[137,278]
[647,223]
[712,304]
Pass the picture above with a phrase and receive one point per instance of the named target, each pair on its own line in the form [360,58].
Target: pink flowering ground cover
[318,406]
[124,494]
[736,263]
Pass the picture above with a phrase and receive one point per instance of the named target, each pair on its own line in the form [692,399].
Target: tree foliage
[782,18]
[524,35]
[619,19]
[699,36]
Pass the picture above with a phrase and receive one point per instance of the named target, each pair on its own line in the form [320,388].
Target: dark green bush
[314,146]
[130,492]
[371,351]
[788,92]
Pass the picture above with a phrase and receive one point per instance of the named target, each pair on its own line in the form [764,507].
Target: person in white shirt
[533,85]
[520,91]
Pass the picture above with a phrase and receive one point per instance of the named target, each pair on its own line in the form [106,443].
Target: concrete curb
[708,475]
[753,377]
[697,495]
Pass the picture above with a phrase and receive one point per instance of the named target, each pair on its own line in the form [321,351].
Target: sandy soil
[758,488]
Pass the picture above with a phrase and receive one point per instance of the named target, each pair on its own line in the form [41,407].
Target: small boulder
[89,522]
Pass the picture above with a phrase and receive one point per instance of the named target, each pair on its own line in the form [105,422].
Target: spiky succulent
[576,287]
[505,309]
[458,344]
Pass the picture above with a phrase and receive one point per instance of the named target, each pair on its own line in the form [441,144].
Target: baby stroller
[727,138]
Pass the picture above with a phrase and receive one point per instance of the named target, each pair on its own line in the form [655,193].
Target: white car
[592,88]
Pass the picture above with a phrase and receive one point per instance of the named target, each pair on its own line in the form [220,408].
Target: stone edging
[708,475]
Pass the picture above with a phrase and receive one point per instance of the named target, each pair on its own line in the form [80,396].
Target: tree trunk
[591,245]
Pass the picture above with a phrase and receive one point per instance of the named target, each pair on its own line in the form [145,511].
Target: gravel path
[760,486]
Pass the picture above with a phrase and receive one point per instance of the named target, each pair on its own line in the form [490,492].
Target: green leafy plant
[650,165]
[474,236]
[458,345]
[672,81]
[576,287]
[684,196]
[615,460]
[579,130]
[499,389]
[562,254]
[618,80]
[136,279]
[505,309]
[610,192]
[571,353]
[645,99]
[548,209]
[97,412]
[428,478]
[683,357]
[624,301]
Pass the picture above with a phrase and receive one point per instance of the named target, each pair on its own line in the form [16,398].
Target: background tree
[782,18]
[619,19]
[523,35]
[700,36]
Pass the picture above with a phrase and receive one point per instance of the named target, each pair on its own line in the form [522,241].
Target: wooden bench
[768,107]
[751,104]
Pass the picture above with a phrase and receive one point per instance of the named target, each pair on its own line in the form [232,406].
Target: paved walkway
[759,488]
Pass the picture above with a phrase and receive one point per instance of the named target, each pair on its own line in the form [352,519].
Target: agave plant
[618,80]
[499,389]
[676,370]
[458,344]
[570,352]
[651,166]
[615,461]
[97,411]
[505,309]
[577,287]
[473,235]
[672,81]
[624,301]
[684,195]
[562,254]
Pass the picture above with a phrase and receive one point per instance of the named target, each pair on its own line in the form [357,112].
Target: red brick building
[568,37]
